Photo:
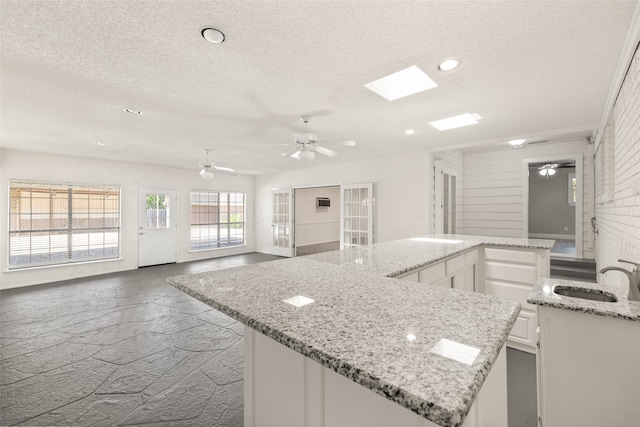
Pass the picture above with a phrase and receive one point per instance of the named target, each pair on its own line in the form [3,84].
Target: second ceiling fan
[307,145]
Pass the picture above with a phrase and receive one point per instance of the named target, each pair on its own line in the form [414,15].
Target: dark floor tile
[186,367]
[44,360]
[137,376]
[216,318]
[228,366]
[93,410]
[14,348]
[134,348]
[138,313]
[113,334]
[184,401]
[45,392]
[521,385]
[226,407]
[204,338]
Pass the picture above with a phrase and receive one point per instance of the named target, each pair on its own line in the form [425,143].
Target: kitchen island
[331,341]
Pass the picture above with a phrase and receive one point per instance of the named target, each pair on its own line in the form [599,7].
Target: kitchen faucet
[634,278]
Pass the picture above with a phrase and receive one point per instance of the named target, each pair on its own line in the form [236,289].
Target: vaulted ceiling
[69,68]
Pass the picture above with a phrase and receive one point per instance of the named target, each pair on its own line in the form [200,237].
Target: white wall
[617,161]
[317,224]
[493,192]
[402,182]
[129,176]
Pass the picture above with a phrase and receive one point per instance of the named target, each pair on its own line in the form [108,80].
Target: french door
[356,215]
[282,222]
[446,183]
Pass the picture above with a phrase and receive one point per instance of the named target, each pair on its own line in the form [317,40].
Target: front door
[157,235]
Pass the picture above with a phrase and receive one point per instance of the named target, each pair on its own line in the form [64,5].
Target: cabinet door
[465,280]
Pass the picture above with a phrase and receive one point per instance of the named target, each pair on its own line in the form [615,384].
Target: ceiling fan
[307,145]
[207,166]
[548,169]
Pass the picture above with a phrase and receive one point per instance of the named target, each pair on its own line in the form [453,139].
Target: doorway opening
[317,219]
[553,203]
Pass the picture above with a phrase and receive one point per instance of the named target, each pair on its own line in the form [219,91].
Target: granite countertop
[398,257]
[385,334]
[543,295]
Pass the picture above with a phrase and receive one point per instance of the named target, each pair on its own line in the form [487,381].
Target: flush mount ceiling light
[132,111]
[409,131]
[212,35]
[402,83]
[448,65]
[517,143]
[456,121]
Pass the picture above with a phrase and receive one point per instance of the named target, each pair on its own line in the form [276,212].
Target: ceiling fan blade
[345,143]
[220,168]
[296,155]
[292,153]
[325,151]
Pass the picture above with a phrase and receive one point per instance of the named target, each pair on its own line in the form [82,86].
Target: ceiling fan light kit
[206,173]
[207,167]
[307,145]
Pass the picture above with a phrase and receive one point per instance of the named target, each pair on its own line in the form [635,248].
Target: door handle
[142,233]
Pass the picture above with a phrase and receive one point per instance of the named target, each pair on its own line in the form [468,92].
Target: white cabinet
[511,273]
[286,389]
[588,369]
[503,272]
[457,272]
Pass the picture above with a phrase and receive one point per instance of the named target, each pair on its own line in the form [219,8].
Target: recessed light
[101,144]
[212,35]
[456,121]
[132,111]
[410,131]
[448,65]
[402,83]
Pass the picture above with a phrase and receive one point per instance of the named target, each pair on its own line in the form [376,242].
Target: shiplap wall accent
[493,191]
[617,203]
[453,160]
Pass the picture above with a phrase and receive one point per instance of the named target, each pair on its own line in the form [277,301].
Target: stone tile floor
[121,349]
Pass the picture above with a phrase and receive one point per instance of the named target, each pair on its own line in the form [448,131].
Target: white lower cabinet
[511,273]
[503,272]
[588,370]
[283,388]
[458,272]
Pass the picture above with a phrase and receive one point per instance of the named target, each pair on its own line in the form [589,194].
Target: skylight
[402,83]
[456,121]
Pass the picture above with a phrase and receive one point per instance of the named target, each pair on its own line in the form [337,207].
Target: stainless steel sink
[582,293]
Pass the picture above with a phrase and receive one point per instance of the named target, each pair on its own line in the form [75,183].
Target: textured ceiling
[68,68]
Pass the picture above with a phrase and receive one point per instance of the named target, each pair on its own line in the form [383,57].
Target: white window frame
[64,233]
[218,225]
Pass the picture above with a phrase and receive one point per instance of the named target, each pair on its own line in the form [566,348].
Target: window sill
[195,251]
[69,264]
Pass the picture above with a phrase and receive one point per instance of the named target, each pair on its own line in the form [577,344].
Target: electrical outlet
[566,229]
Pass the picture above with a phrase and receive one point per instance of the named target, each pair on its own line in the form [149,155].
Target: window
[572,195]
[217,220]
[62,223]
